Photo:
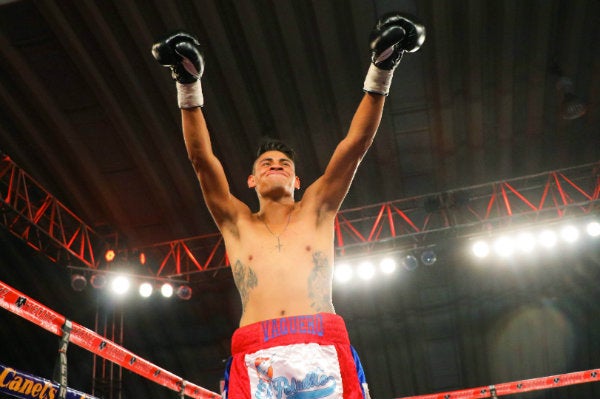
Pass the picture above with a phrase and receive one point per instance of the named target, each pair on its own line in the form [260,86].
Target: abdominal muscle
[282,297]
[273,283]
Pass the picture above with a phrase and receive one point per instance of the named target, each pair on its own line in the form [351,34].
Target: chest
[293,242]
[294,246]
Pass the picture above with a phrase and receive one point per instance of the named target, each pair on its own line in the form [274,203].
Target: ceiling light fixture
[184,292]
[428,257]
[410,262]
[571,106]
[78,282]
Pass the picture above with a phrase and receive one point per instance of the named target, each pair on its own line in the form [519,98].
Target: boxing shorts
[296,357]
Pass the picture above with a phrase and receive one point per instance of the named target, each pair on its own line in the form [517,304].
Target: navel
[308,248]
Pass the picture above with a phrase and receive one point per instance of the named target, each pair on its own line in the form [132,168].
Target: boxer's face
[274,171]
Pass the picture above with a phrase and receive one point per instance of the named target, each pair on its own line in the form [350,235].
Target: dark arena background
[467,249]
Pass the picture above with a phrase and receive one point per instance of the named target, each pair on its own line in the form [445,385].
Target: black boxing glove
[180,52]
[393,34]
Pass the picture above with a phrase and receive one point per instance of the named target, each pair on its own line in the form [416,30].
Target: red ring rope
[509,388]
[29,309]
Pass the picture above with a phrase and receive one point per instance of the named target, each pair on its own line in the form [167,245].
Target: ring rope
[33,311]
[29,309]
[509,388]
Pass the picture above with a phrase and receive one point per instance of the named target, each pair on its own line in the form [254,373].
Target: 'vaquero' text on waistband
[320,328]
[310,324]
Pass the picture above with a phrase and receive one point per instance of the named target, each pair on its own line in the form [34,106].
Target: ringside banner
[26,386]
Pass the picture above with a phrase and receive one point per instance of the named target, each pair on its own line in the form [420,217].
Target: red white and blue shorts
[297,357]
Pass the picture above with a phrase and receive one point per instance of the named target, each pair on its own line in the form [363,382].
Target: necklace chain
[278,246]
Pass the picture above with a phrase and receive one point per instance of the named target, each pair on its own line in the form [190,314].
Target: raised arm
[393,34]
[181,53]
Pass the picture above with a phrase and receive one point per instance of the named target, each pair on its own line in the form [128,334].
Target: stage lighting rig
[120,283]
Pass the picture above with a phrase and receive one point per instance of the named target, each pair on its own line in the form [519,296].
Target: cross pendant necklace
[279,245]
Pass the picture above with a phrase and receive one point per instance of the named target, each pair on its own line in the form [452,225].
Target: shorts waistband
[319,328]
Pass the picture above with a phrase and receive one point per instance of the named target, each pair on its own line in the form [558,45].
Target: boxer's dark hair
[269,144]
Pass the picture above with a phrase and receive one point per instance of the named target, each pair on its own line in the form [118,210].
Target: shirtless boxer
[290,342]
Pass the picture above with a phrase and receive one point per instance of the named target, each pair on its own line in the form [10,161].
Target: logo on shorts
[264,368]
[311,325]
[314,385]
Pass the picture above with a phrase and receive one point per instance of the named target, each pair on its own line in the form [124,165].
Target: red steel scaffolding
[34,215]
[31,213]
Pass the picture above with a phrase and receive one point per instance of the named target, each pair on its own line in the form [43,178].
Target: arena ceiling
[86,111]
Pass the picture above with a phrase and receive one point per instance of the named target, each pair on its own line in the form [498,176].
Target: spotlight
[366,270]
[120,285]
[593,229]
[98,281]
[480,249]
[387,265]
[184,292]
[109,255]
[525,242]
[547,238]
[428,257]
[343,272]
[166,290]
[78,282]
[410,262]
[503,246]
[145,289]
[569,233]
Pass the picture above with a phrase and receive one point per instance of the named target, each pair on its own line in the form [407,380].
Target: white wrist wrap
[189,95]
[378,80]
